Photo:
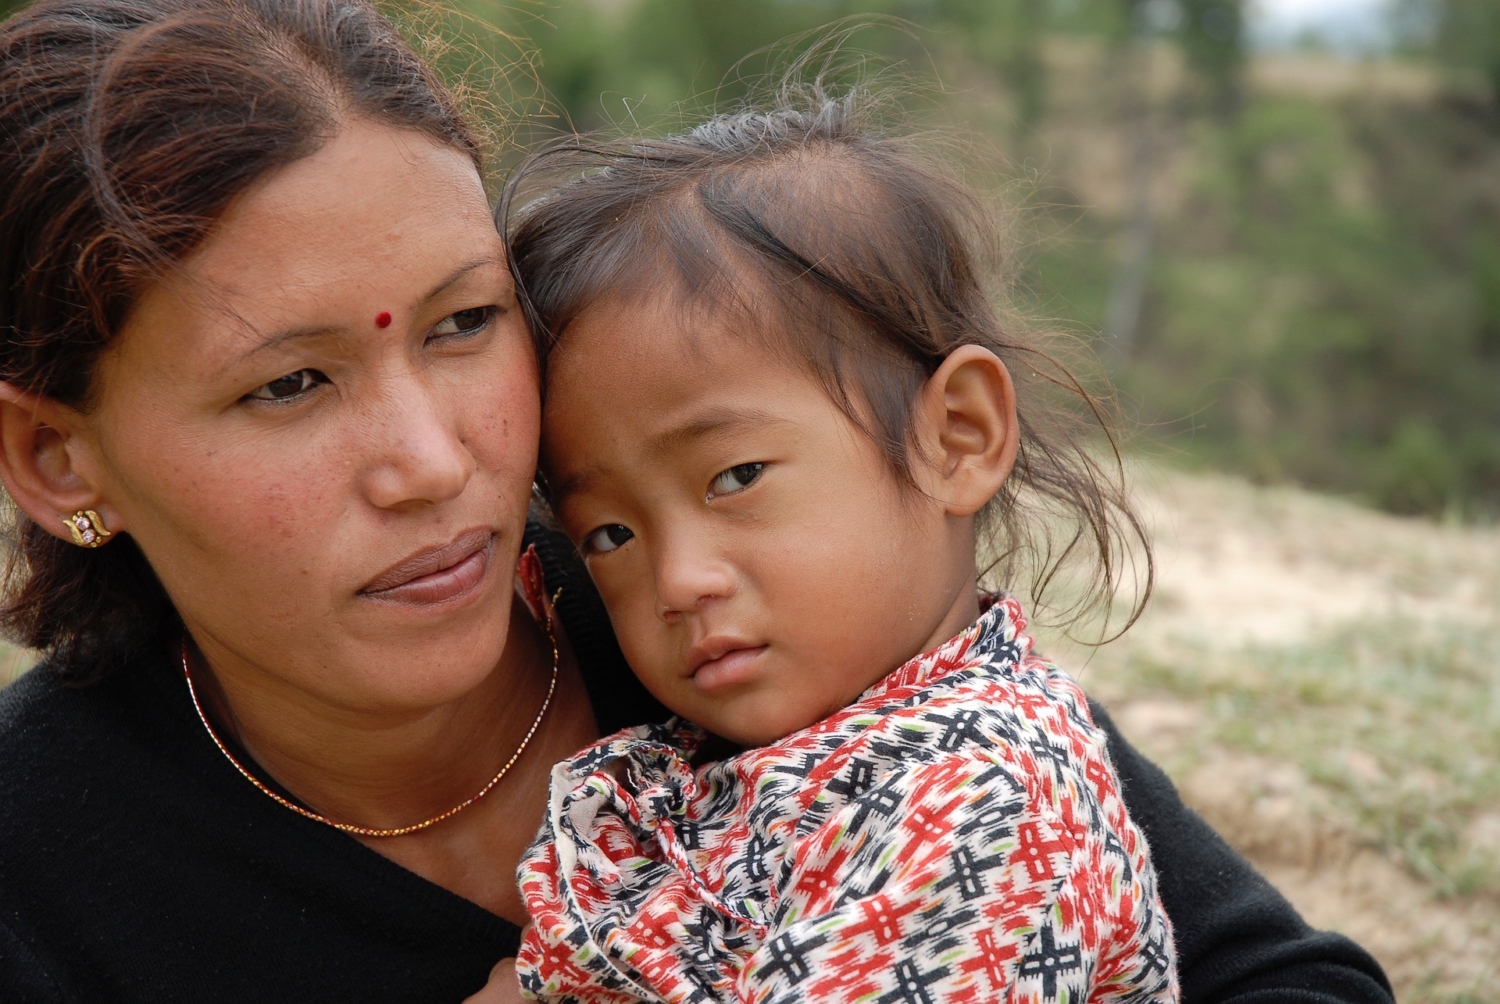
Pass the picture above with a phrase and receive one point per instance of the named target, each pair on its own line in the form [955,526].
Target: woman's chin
[426,668]
[419,686]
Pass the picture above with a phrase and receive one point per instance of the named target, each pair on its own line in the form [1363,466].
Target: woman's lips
[437,574]
[733,667]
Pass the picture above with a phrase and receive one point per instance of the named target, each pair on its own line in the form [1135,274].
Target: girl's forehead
[629,397]
[663,330]
[662,356]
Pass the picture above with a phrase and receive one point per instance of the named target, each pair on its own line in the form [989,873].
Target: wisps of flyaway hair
[818,229]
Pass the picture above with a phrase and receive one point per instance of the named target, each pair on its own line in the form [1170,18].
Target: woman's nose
[420,457]
[689,574]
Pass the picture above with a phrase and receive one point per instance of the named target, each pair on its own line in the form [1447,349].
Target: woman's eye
[607,538]
[737,478]
[464,322]
[289,386]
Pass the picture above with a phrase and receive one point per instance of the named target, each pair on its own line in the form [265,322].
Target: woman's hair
[860,255]
[127,127]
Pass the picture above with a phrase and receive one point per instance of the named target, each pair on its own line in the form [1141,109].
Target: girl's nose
[419,457]
[690,574]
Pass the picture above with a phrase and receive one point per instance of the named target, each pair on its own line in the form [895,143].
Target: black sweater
[137,865]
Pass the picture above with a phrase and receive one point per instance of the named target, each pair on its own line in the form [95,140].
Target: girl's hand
[503,987]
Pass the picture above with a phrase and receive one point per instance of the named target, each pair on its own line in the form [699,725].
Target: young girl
[778,416]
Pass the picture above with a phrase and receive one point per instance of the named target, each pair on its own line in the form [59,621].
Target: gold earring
[88,528]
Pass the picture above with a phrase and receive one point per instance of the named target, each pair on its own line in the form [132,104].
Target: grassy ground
[1323,683]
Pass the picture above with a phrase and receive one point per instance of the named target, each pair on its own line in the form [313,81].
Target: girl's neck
[963,610]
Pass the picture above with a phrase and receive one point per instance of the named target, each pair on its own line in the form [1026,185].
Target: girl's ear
[966,430]
[40,446]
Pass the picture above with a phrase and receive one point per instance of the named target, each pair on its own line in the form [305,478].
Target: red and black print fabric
[956,834]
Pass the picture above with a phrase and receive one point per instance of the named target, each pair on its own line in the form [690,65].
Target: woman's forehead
[369,224]
[369,198]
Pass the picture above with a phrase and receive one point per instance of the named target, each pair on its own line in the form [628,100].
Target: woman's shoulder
[113,796]
[45,717]
[60,741]
[30,702]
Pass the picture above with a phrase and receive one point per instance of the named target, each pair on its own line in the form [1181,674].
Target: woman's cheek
[240,496]
[505,432]
[278,518]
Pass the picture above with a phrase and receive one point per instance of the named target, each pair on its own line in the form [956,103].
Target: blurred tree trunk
[1127,294]
[1023,71]
[1212,34]
[1469,37]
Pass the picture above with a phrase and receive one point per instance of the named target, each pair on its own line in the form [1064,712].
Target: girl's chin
[750,727]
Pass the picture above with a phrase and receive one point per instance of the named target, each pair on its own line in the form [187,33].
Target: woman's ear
[966,429]
[40,443]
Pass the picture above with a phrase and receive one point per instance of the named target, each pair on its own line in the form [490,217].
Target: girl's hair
[127,127]
[859,254]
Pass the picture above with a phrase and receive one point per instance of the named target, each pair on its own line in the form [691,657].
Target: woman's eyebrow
[297,334]
[460,272]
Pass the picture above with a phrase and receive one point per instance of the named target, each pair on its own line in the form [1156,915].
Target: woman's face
[322,431]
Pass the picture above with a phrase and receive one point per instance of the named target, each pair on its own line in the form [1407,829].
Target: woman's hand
[503,987]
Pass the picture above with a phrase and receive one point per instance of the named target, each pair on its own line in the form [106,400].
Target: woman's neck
[388,770]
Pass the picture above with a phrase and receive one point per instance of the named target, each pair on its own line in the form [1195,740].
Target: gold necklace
[367,831]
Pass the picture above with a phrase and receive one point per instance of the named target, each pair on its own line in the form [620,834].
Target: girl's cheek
[632,609]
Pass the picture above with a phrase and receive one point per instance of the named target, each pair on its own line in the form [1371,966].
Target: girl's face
[761,564]
[322,431]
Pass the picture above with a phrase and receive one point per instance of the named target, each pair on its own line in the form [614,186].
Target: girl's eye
[287,387]
[464,322]
[607,538]
[737,478]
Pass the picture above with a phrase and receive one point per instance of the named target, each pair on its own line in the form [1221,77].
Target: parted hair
[853,247]
[127,127]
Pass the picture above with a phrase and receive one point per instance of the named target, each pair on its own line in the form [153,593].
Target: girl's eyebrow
[713,422]
[577,482]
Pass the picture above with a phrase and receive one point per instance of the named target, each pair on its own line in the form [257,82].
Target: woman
[269,416]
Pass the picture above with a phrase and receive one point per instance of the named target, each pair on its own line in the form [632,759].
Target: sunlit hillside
[1323,683]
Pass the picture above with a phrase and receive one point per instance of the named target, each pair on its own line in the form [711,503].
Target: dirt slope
[1323,682]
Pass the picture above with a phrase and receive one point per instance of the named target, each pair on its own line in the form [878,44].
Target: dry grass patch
[1323,682]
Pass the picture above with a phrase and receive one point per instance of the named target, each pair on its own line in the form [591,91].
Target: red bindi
[383,319]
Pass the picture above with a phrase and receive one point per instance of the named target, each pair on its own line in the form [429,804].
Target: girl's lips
[733,667]
[437,575]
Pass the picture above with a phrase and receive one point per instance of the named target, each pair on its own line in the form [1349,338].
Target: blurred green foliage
[1464,35]
[1324,307]
[1321,298]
